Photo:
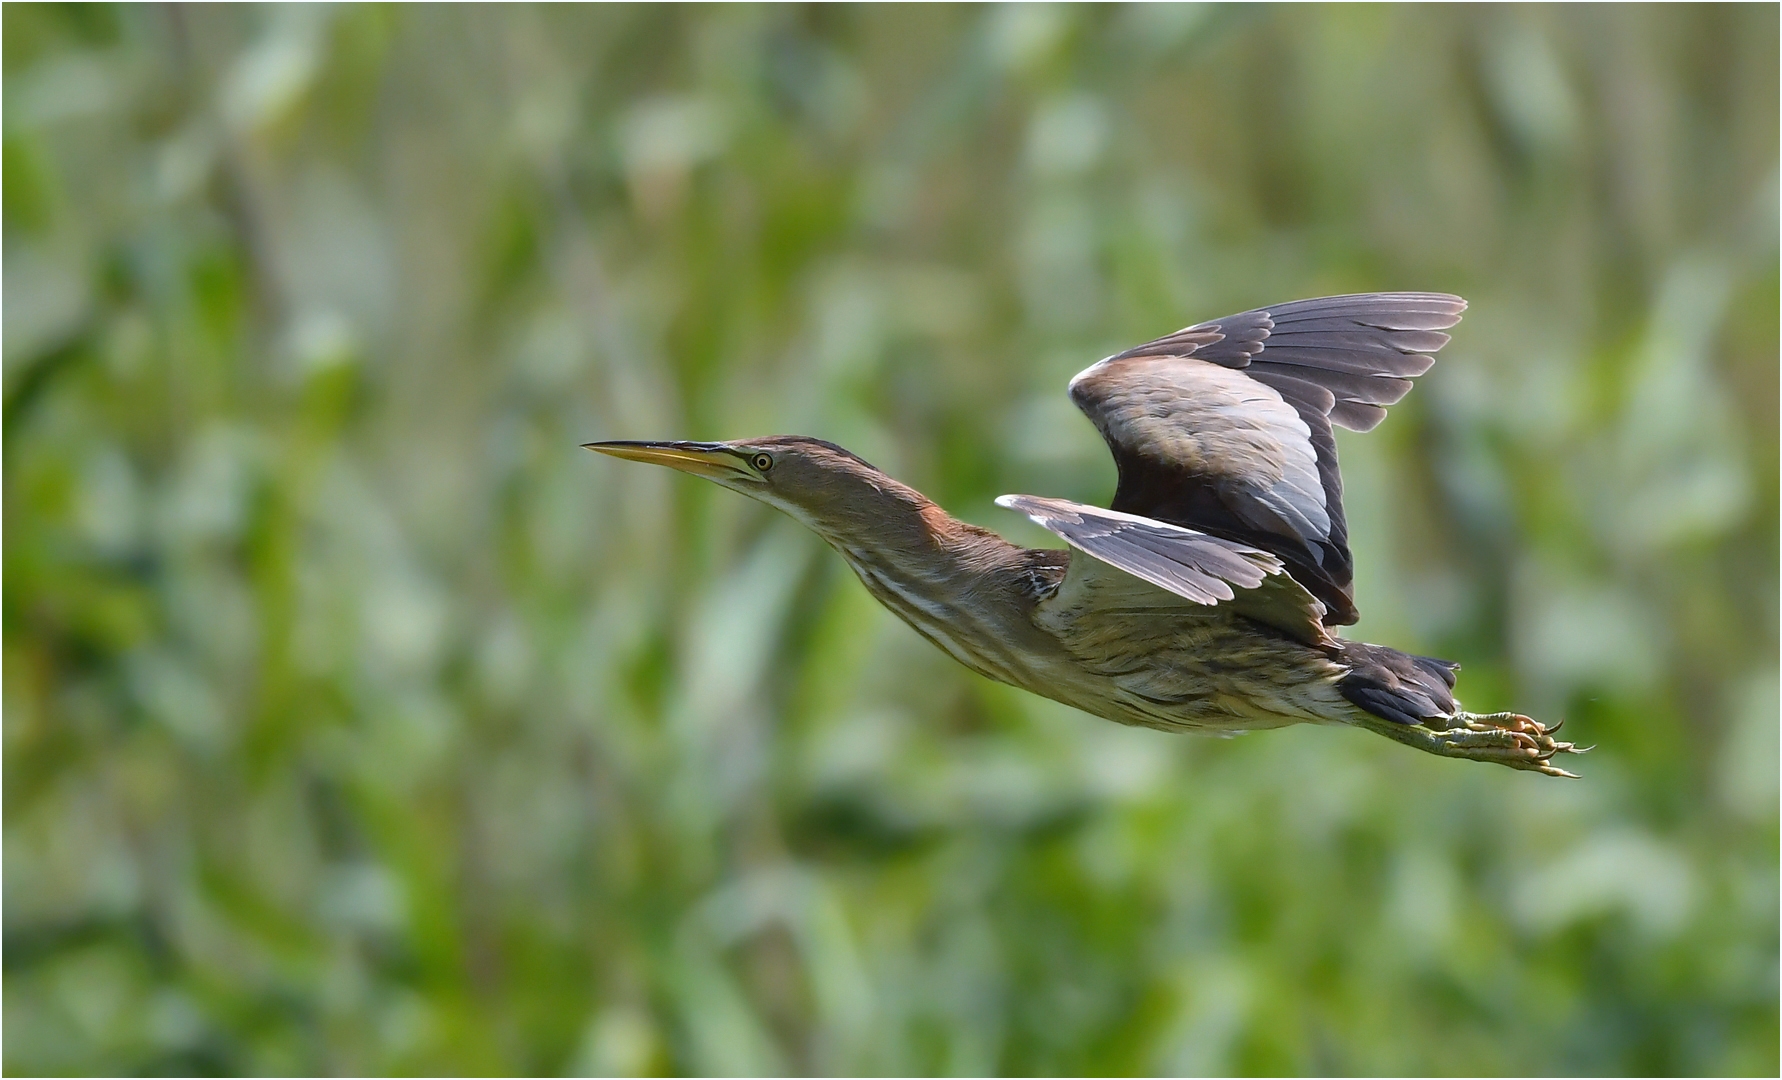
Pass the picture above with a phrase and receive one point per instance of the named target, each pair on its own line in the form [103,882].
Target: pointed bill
[714,461]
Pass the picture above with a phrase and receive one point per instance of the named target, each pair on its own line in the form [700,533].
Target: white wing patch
[1179,564]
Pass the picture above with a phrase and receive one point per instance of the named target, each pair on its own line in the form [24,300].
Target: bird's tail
[1397,686]
[1410,699]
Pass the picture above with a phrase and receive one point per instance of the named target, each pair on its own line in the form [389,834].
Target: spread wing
[1184,566]
[1225,426]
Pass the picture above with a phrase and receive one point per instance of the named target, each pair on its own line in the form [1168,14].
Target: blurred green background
[356,721]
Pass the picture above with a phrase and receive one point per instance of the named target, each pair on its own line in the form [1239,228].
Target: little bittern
[1203,600]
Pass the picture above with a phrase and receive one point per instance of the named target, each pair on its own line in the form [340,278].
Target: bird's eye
[762,462]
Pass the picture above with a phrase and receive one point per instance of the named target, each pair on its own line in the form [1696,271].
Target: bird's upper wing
[1184,566]
[1225,426]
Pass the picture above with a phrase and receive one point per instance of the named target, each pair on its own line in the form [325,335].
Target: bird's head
[816,482]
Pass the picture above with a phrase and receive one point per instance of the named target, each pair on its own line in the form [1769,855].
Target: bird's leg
[1506,738]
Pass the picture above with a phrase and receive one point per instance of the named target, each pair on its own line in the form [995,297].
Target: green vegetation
[358,722]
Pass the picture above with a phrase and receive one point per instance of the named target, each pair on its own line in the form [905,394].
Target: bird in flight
[1204,598]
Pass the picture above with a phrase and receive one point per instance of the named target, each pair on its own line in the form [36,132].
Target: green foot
[1506,738]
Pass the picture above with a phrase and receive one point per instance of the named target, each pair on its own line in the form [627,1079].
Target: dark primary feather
[1194,448]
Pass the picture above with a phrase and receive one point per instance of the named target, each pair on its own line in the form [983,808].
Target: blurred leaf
[358,722]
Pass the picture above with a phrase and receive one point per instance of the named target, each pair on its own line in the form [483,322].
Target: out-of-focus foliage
[356,721]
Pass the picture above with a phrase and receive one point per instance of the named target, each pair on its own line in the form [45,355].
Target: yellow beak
[714,461]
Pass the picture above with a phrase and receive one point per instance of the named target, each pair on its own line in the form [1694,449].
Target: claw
[1557,725]
[1507,738]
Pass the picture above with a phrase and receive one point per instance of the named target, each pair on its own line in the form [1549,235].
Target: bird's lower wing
[1187,565]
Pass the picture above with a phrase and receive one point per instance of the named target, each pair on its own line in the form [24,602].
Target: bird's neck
[964,588]
[906,538]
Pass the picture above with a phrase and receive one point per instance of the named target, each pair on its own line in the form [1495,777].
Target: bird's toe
[1509,739]
[1529,744]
